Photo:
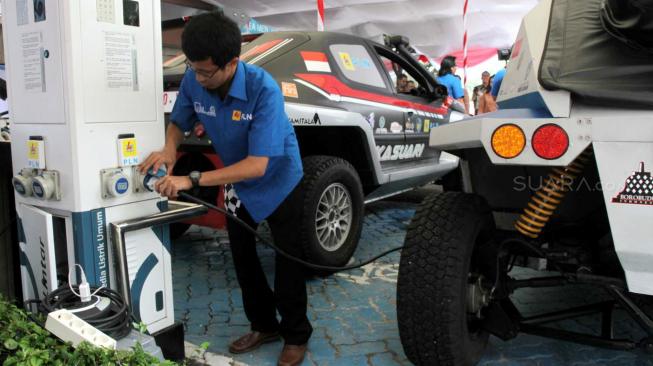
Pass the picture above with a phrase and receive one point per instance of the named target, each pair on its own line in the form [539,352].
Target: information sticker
[127,152]
[36,154]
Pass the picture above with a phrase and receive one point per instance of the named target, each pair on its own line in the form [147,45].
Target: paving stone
[321,349]
[361,348]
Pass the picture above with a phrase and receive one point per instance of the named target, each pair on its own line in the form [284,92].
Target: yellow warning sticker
[289,90]
[128,146]
[346,61]
[427,126]
[33,150]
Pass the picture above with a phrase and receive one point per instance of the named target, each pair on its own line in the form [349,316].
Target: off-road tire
[319,173]
[433,280]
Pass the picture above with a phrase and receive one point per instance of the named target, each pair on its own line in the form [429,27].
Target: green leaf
[11,344]
[35,361]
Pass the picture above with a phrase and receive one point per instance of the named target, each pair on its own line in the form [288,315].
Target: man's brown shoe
[292,355]
[252,341]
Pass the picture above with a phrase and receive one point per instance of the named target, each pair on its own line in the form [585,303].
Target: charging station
[85,91]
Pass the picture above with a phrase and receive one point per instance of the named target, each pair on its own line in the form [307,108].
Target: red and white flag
[315,61]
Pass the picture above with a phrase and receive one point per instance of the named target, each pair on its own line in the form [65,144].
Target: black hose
[279,250]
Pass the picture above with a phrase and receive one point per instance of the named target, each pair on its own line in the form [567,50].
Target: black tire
[320,173]
[434,325]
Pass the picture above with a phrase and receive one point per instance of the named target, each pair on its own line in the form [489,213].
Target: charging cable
[279,250]
[84,288]
[152,177]
[104,309]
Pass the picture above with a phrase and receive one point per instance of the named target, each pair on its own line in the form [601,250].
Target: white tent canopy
[435,27]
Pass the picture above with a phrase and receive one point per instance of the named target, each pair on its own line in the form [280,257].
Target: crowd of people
[483,97]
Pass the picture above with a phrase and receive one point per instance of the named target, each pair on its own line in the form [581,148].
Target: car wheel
[442,287]
[333,210]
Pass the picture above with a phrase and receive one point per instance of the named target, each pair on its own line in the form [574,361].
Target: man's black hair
[211,35]
[447,65]
[403,76]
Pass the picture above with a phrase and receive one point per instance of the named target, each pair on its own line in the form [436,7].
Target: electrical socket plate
[70,328]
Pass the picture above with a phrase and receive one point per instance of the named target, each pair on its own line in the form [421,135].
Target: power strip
[70,328]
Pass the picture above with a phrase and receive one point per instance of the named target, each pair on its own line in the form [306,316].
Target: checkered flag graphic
[638,189]
[231,200]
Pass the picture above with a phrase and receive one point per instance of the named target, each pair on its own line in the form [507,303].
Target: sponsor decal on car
[346,61]
[400,152]
[418,125]
[370,119]
[395,127]
[306,121]
[289,90]
[638,189]
[410,126]
[427,125]
[382,123]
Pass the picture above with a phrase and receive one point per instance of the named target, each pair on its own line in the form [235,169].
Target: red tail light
[550,141]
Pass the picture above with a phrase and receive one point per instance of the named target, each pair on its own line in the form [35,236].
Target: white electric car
[558,180]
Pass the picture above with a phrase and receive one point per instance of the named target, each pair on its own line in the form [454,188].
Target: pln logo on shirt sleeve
[238,116]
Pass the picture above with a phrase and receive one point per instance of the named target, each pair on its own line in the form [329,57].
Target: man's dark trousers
[289,295]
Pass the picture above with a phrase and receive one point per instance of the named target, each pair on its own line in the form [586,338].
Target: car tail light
[508,141]
[550,141]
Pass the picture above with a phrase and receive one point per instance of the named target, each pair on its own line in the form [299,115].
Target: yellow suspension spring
[545,201]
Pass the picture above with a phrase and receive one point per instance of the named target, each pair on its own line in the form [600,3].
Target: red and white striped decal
[332,88]
[315,61]
[465,42]
[257,50]
[320,15]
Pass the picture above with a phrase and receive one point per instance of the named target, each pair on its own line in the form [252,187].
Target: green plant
[23,342]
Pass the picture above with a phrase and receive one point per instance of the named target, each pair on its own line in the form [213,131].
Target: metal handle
[177,211]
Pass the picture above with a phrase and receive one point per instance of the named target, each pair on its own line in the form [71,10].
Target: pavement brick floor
[353,313]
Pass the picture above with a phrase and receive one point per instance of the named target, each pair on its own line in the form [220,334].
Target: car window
[356,64]
[402,79]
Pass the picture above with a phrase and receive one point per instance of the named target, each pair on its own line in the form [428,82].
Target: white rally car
[558,180]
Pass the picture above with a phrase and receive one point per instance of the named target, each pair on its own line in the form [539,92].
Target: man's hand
[157,159]
[170,185]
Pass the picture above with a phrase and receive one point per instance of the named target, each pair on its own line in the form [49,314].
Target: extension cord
[70,328]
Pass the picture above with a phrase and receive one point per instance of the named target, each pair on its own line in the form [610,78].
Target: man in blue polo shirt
[242,109]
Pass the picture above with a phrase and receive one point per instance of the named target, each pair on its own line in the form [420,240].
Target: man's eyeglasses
[203,74]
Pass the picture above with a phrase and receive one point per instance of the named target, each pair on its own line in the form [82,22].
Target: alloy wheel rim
[333,217]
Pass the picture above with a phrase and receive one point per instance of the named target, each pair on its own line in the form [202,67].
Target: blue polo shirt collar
[238,88]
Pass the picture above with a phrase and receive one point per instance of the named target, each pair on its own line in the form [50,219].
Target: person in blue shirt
[496,83]
[242,110]
[447,77]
